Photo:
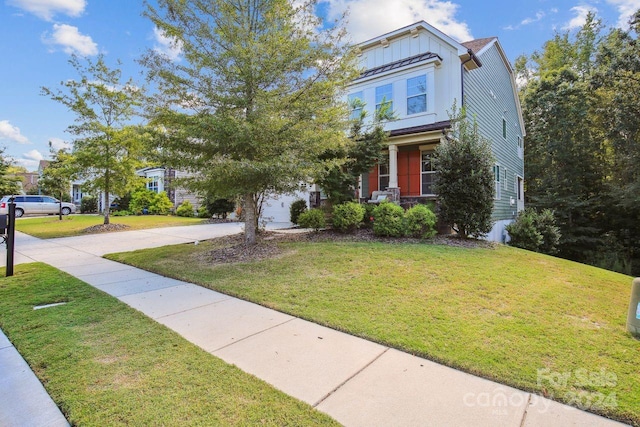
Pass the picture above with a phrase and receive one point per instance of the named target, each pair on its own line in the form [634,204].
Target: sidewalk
[357,382]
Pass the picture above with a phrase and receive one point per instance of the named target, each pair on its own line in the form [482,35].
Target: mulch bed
[104,228]
[234,249]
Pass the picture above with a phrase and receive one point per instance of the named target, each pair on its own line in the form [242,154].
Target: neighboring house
[28,181]
[161,179]
[423,72]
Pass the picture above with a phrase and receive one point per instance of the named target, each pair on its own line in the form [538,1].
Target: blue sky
[37,37]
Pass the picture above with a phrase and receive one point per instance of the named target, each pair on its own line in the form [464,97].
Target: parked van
[35,205]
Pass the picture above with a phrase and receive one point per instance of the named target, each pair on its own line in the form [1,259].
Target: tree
[107,149]
[339,180]
[465,181]
[57,176]
[253,104]
[8,184]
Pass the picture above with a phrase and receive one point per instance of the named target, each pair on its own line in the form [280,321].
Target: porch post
[393,173]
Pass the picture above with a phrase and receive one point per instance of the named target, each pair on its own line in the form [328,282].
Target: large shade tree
[254,101]
[57,176]
[8,184]
[107,148]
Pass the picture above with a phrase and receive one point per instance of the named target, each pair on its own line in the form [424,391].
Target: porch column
[393,166]
[393,173]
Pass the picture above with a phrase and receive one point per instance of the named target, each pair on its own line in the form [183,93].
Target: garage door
[276,208]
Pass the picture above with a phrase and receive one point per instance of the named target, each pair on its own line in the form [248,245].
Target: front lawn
[105,363]
[514,316]
[73,225]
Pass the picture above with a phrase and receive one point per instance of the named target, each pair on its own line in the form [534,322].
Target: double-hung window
[154,184]
[496,175]
[383,173]
[384,96]
[428,173]
[417,94]
[520,148]
[356,103]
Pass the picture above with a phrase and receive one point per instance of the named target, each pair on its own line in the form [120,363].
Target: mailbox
[3,224]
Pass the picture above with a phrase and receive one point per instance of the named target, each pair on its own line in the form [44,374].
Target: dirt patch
[105,228]
[232,249]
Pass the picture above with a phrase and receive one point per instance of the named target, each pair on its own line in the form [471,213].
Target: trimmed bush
[367,221]
[88,204]
[161,204]
[388,220]
[420,221]
[185,209]
[140,201]
[121,213]
[203,212]
[219,207]
[535,231]
[313,218]
[297,207]
[347,217]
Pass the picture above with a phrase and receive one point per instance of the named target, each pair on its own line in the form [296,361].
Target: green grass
[105,364]
[51,227]
[504,314]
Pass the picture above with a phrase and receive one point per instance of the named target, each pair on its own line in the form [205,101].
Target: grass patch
[104,363]
[73,225]
[506,314]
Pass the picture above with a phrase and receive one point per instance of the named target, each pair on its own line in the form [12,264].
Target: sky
[37,38]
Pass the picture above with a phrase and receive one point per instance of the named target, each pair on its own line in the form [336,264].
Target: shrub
[185,209]
[420,222]
[367,221]
[203,212]
[88,204]
[141,200]
[121,213]
[347,217]
[535,231]
[388,220]
[161,204]
[219,207]
[313,218]
[297,207]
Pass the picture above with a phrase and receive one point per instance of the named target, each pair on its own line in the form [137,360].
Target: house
[422,72]
[160,178]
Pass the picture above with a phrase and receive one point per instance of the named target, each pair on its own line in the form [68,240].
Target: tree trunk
[60,207]
[250,220]
[106,208]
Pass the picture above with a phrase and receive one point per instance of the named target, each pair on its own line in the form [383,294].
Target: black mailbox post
[8,233]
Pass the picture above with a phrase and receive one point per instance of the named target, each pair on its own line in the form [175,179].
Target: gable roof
[478,44]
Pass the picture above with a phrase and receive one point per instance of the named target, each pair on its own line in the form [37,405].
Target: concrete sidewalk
[357,382]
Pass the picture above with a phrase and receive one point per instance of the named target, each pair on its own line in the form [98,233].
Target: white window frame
[423,172]
[381,164]
[153,183]
[422,94]
[504,179]
[519,187]
[496,178]
[382,90]
[504,128]
[355,112]
[520,148]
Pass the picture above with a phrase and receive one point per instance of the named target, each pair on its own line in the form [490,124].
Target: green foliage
[388,220]
[186,209]
[88,204]
[313,218]
[535,231]
[121,212]
[420,222]
[248,110]
[147,201]
[340,179]
[367,221]
[107,149]
[57,176]
[296,208]
[348,217]
[8,185]
[465,181]
[219,207]
[161,204]
[203,212]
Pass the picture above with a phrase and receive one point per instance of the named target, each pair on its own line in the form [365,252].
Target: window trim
[422,172]
[496,181]
[351,98]
[421,94]
[383,162]
[504,128]
[384,99]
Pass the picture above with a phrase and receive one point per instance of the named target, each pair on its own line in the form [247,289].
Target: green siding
[489,96]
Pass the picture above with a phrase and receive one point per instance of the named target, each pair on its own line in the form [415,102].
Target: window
[384,95]
[383,173]
[520,188]
[356,104]
[428,173]
[504,179]
[154,184]
[417,95]
[496,175]
[520,148]
[504,128]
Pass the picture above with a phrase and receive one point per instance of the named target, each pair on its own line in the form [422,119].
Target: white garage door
[276,208]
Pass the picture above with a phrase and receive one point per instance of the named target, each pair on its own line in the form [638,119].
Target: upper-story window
[356,103]
[504,128]
[417,94]
[154,184]
[384,95]
[520,147]
[498,189]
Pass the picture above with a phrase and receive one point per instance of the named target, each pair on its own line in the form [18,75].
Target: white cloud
[580,17]
[30,160]
[626,9]
[59,144]
[167,46]
[371,18]
[71,40]
[46,9]
[538,17]
[12,133]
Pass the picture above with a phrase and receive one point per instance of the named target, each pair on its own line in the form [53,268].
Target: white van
[36,205]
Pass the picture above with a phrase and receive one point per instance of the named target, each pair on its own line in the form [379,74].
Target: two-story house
[422,72]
